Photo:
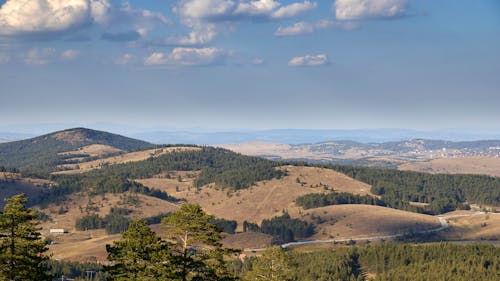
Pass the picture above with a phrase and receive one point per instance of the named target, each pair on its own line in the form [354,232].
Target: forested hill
[41,153]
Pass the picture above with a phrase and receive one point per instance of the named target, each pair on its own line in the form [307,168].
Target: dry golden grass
[93,150]
[82,247]
[475,165]
[79,205]
[264,200]
[119,159]
[357,221]
[474,227]
[90,245]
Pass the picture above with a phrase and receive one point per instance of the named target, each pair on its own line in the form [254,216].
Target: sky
[250,64]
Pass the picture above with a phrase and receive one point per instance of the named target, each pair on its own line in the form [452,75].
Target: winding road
[443,220]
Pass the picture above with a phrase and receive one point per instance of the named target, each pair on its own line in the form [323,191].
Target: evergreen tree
[198,253]
[273,265]
[139,255]
[21,247]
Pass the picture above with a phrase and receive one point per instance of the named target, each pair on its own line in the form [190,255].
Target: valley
[91,191]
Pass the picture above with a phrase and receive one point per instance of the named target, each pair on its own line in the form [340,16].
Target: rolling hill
[44,153]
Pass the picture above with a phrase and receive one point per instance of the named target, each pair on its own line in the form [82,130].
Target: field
[358,221]
[473,226]
[476,165]
[90,245]
[93,150]
[264,200]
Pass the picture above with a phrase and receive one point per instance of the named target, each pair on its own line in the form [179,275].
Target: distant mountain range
[297,136]
[346,152]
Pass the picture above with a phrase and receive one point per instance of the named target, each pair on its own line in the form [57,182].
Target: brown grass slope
[358,221]
[264,200]
[90,245]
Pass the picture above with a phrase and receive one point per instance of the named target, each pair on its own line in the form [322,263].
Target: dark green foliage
[327,265]
[319,200]
[273,265]
[113,223]
[250,227]
[21,246]
[90,222]
[432,262]
[75,270]
[116,223]
[389,262]
[197,251]
[140,254]
[227,226]
[156,219]
[286,229]
[40,154]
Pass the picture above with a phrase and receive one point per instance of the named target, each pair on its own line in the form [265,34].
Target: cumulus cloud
[368,9]
[301,28]
[20,17]
[187,57]
[213,10]
[204,17]
[317,60]
[293,10]
[33,18]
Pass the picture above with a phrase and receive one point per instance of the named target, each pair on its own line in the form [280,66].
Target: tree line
[283,228]
[317,200]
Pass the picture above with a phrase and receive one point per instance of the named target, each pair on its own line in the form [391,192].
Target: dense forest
[316,200]
[283,228]
[442,192]
[383,262]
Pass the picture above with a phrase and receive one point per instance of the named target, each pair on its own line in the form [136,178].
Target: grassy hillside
[41,154]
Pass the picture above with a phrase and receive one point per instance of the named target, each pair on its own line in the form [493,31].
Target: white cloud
[39,56]
[32,18]
[301,28]
[293,10]
[368,9]
[18,17]
[187,57]
[317,60]
[141,21]
[205,17]
[70,55]
[200,35]
[298,28]
[125,59]
[256,8]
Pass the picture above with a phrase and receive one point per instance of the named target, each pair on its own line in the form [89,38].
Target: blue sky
[259,64]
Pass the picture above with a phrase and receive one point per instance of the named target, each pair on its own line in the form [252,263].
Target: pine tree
[21,247]
[198,253]
[140,254]
[273,265]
